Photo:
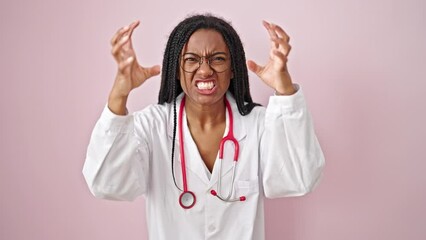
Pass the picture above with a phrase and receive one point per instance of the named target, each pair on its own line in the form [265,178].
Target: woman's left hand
[275,73]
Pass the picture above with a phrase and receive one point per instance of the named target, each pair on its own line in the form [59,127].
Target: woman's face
[208,83]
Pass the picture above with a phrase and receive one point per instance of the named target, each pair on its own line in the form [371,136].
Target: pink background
[362,67]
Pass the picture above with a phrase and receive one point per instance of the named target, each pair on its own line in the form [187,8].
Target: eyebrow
[216,53]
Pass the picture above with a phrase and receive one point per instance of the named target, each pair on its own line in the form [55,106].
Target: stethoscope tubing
[229,137]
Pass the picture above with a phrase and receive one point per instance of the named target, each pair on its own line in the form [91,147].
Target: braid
[174,134]
[239,85]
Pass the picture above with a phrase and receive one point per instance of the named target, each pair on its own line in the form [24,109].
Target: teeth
[205,85]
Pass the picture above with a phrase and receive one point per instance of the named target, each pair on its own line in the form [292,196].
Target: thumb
[254,67]
[153,71]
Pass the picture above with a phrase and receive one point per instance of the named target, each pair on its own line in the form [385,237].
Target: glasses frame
[201,61]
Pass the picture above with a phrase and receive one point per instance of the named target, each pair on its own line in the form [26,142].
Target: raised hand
[275,73]
[130,74]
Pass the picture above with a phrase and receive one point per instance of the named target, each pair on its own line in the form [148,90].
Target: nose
[205,68]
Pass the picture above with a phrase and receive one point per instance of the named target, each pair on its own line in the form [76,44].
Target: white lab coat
[280,156]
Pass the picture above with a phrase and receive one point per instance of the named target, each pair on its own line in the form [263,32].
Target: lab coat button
[212,228]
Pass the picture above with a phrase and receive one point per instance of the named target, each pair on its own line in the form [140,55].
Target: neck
[205,116]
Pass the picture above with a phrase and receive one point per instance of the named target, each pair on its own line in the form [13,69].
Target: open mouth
[207,85]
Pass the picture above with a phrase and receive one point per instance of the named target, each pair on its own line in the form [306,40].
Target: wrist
[285,85]
[285,91]
[117,104]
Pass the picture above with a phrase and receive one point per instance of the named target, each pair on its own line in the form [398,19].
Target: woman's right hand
[130,74]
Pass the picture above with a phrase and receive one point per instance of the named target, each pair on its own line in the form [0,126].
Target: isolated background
[362,67]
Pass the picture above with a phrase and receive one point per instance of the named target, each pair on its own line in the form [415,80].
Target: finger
[265,24]
[153,71]
[280,57]
[129,33]
[283,46]
[134,25]
[118,34]
[271,29]
[281,33]
[124,31]
[116,49]
[271,32]
[254,67]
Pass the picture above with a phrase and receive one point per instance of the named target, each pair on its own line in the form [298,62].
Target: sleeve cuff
[109,114]
[296,87]
[286,103]
[113,122]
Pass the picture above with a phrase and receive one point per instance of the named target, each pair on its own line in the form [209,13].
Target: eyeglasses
[191,62]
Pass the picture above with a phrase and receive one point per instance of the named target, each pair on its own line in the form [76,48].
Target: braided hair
[170,87]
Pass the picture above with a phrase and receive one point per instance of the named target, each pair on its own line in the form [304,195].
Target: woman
[171,152]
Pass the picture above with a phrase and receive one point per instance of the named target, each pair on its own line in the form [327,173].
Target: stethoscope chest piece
[187,199]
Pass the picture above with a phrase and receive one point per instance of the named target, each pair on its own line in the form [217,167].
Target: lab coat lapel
[193,161]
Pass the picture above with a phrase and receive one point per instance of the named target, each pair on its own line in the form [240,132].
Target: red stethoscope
[187,199]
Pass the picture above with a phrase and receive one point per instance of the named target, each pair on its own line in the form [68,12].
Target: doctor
[206,155]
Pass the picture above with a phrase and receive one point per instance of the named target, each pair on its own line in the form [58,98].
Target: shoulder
[256,114]
[257,111]
[154,110]
[154,114]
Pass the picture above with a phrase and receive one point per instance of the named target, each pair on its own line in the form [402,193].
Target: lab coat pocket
[247,187]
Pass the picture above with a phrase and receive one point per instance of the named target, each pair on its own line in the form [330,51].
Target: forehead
[205,41]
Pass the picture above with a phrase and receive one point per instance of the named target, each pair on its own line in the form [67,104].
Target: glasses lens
[218,63]
[190,63]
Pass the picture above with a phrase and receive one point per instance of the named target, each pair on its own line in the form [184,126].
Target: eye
[217,60]
[191,60]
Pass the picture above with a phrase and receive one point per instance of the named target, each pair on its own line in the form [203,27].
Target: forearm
[292,159]
[116,165]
